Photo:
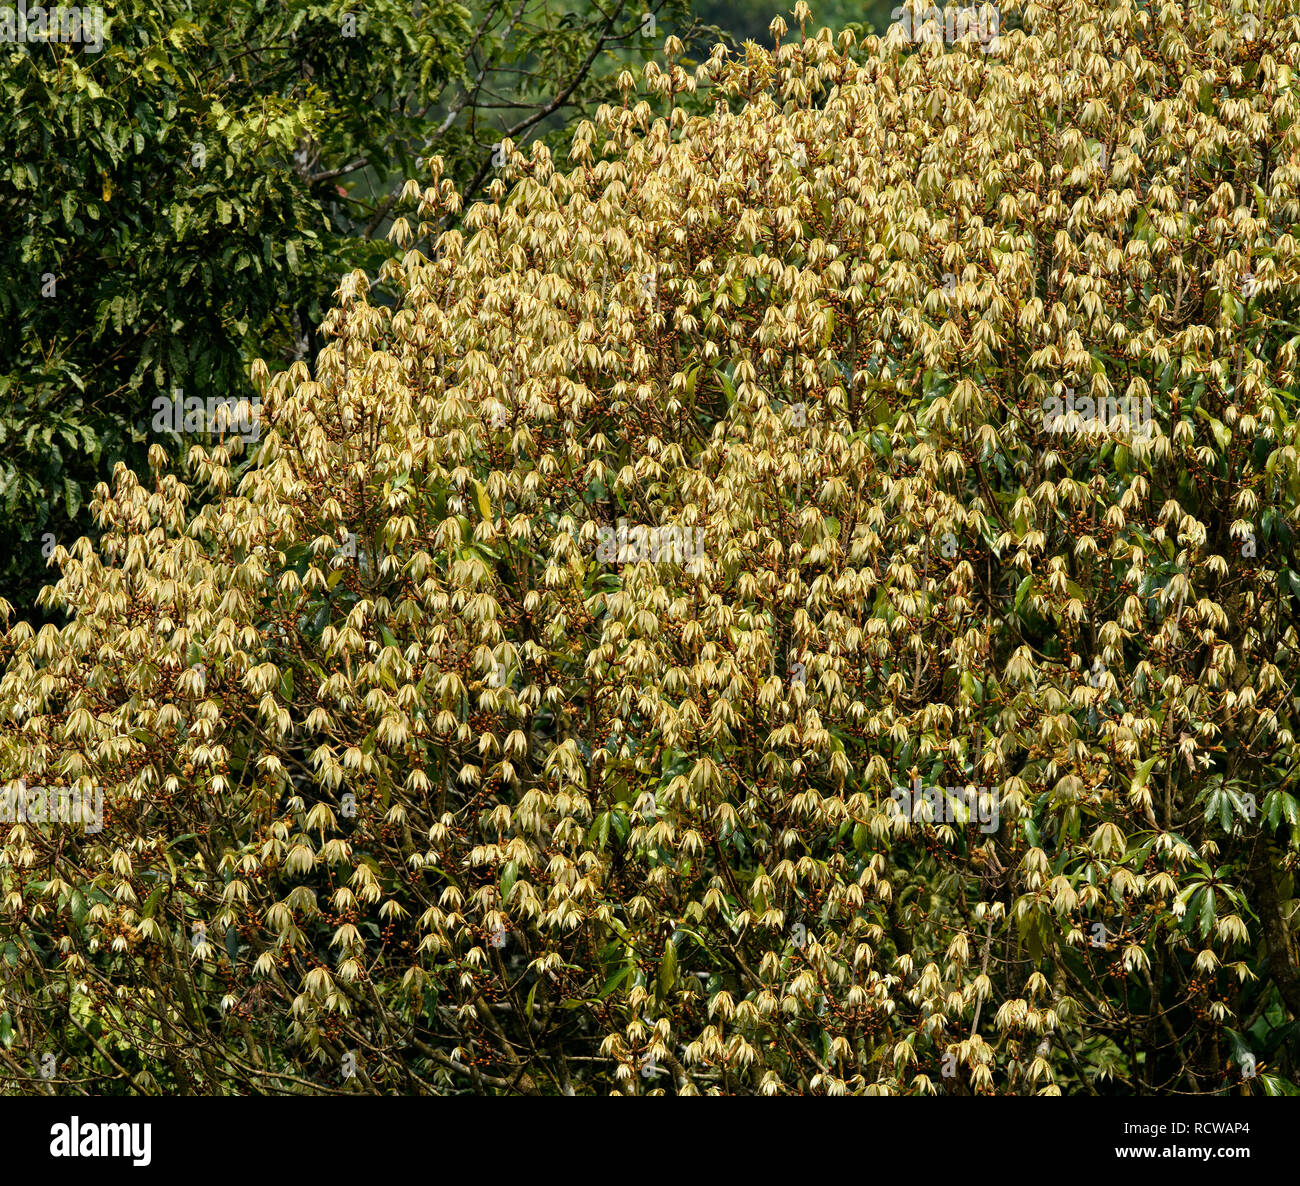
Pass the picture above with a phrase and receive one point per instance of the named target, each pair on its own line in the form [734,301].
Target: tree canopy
[795,599]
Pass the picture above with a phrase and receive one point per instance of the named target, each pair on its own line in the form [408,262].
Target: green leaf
[667,971]
[1141,775]
[613,982]
[151,903]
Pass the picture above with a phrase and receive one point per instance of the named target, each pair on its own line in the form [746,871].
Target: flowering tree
[959,755]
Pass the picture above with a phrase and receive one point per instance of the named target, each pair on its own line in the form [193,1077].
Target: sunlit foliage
[406,789]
